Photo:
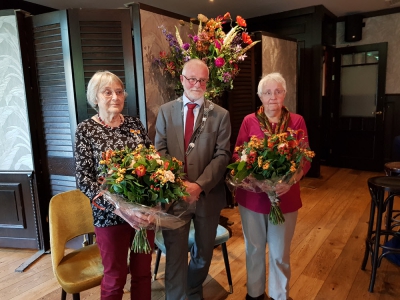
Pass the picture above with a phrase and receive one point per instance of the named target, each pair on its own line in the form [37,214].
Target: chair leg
[76,296]
[63,294]
[369,233]
[158,257]
[227,267]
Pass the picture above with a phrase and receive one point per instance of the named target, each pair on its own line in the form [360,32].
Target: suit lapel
[177,120]
[199,117]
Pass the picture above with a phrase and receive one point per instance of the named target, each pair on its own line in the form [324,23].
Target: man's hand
[194,191]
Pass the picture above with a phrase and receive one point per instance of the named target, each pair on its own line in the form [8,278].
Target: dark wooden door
[358,116]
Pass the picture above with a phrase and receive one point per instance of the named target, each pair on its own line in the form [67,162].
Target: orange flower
[246,38]
[241,22]
[140,171]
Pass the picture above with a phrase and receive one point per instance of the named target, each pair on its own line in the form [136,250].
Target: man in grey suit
[206,158]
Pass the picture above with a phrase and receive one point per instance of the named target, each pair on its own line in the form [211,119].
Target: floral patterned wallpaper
[377,30]
[15,142]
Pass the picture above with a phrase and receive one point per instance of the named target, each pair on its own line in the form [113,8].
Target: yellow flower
[260,161]
[266,166]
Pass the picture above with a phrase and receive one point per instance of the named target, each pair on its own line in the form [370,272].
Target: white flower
[169,176]
[242,57]
[244,156]
[132,163]
[160,161]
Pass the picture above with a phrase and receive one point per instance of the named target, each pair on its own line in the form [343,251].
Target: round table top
[387,183]
[392,168]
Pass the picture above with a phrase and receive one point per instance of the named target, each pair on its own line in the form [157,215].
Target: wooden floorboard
[326,252]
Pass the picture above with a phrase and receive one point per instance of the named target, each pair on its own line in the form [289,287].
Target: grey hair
[271,76]
[195,61]
[98,81]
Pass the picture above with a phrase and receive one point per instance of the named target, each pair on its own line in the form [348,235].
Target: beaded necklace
[106,125]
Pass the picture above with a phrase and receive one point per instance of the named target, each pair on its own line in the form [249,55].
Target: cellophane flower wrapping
[140,181]
[264,163]
[222,52]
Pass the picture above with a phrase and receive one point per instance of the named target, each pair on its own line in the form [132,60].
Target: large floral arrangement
[142,179]
[265,162]
[220,51]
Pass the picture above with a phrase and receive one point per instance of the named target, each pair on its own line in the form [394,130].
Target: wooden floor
[326,252]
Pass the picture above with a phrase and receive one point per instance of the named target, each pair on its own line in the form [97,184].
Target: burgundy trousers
[114,243]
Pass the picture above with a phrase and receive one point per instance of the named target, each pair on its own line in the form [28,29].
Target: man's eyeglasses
[275,93]
[107,93]
[193,81]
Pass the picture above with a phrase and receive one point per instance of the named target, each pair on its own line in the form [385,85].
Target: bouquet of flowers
[221,52]
[266,162]
[140,180]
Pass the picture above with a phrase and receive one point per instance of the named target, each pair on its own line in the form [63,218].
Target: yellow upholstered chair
[70,216]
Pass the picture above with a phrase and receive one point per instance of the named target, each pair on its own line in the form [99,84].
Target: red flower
[163,54]
[246,38]
[166,165]
[227,16]
[140,171]
[241,22]
[219,62]
[217,44]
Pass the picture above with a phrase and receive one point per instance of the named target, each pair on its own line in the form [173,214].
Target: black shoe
[261,297]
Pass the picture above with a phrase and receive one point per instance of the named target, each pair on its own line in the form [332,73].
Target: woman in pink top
[271,118]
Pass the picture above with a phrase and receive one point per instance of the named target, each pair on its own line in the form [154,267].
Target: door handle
[377,112]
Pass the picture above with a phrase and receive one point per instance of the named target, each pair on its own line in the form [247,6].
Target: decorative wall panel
[15,146]
[158,89]
[279,55]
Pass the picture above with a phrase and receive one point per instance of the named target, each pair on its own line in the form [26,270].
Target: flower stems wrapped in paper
[264,163]
[137,182]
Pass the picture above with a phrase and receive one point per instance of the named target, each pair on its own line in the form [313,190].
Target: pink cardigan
[259,202]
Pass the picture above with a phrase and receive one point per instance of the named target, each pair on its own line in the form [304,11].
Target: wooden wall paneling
[391,124]
[101,40]
[241,101]
[138,50]
[19,226]
[56,99]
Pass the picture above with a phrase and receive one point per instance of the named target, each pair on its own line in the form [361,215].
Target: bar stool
[392,221]
[377,187]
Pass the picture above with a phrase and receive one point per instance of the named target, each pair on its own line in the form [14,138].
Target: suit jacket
[206,163]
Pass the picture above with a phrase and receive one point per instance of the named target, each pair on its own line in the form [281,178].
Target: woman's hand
[140,220]
[282,188]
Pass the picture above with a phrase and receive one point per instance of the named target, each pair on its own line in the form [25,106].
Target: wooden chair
[70,216]
[221,238]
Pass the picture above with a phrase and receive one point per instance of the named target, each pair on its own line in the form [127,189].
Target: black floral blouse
[91,139]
